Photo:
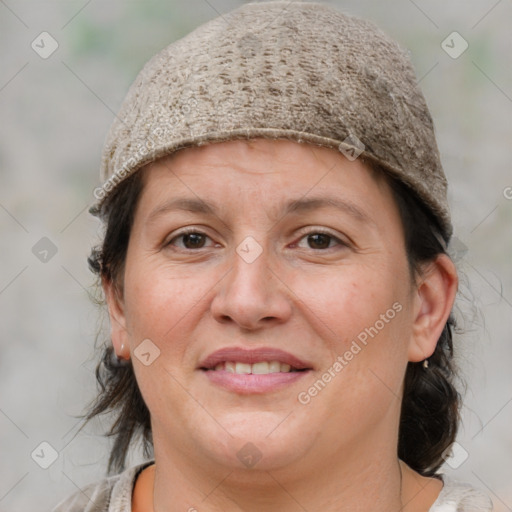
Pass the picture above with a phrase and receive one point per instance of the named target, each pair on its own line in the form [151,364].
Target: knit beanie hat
[301,71]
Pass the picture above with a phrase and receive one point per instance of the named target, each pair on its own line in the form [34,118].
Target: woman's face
[270,252]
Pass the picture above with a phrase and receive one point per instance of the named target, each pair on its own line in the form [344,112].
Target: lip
[249,383]
[250,356]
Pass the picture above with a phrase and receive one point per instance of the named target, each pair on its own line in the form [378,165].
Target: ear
[434,300]
[118,332]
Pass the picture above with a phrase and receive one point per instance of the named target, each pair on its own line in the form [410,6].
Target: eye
[192,239]
[322,240]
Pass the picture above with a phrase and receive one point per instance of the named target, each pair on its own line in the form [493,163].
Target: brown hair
[430,407]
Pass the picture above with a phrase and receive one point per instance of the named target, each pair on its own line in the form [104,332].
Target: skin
[307,295]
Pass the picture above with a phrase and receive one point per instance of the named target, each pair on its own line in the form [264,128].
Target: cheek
[164,301]
[364,317]
[361,314]
[153,301]
[351,298]
[163,304]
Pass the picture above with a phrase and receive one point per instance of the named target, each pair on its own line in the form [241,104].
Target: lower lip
[247,383]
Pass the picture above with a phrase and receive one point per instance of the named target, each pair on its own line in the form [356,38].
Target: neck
[355,487]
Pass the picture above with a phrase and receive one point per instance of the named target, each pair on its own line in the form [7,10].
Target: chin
[260,441]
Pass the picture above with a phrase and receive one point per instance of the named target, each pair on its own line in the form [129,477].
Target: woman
[275,269]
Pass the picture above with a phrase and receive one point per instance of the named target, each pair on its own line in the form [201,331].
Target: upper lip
[250,356]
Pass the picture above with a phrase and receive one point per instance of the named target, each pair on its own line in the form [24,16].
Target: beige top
[114,494]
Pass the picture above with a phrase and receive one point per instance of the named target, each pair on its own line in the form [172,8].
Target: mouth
[260,360]
[258,370]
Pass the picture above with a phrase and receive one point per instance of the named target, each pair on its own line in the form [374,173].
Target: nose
[251,295]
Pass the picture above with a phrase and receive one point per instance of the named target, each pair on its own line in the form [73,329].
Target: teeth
[261,368]
[274,367]
[242,368]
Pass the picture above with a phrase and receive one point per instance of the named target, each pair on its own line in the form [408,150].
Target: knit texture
[302,71]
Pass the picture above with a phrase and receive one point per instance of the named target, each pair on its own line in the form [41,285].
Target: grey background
[54,115]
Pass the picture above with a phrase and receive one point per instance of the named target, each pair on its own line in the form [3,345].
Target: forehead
[262,157]
[266,172]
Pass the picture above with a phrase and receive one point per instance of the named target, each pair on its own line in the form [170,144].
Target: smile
[253,371]
[259,368]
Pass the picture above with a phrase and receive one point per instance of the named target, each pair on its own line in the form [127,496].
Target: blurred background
[65,68]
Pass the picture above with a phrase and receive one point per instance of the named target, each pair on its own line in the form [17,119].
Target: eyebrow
[294,206]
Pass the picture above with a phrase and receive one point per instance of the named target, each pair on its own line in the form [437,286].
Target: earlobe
[118,331]
[434,301]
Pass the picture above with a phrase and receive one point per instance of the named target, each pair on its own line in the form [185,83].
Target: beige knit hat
[297,70]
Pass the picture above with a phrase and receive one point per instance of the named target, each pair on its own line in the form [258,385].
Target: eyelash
[303,235]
